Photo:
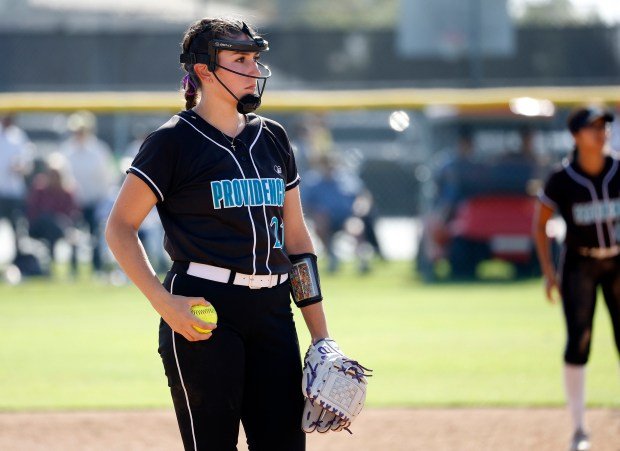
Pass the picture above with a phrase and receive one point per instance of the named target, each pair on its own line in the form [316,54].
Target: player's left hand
[335,388]
[552,289]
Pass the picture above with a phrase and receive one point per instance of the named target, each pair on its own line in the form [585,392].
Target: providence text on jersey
[247,192]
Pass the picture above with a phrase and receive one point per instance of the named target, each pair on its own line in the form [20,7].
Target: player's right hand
[175,310]
[552,289]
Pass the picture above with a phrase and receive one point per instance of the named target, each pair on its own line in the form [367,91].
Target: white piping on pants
[176,358]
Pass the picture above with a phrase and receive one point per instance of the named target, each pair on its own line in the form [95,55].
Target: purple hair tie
[188,83]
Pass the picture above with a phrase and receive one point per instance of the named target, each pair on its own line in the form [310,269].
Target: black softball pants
[249,370]
[580,278]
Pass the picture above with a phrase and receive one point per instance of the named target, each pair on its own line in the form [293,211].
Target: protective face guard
[257,44]
[248,102]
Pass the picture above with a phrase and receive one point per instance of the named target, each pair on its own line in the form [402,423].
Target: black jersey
[589,205]
[218,205]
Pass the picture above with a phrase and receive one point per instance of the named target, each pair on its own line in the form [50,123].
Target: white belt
[600,252]
[222,275]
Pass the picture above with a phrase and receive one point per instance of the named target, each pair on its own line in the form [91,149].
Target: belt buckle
[251,284]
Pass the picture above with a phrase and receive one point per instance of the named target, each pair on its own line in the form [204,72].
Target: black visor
[583,117]
[255,44]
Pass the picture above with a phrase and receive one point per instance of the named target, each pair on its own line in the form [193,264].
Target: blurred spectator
[364,210]
[525,152]
[92,168]
[454,175]
[454,180]
[523,156]
[51,210]
[518,171]
[329,195]
[15,164]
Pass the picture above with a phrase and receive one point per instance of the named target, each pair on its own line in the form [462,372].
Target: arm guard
[305,283]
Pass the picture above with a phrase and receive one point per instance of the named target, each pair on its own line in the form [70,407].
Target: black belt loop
[231,278]
[179,267]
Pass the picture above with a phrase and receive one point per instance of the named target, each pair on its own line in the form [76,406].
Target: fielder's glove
[335,388]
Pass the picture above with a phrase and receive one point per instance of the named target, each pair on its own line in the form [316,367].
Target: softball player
[225,185]
[585,191]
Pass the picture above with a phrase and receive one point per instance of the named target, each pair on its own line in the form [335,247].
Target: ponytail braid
[190,101]
[189,90]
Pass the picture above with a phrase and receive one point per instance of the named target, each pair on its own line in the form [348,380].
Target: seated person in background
[455,180]
[328,197]
[51,208]
[516,169]
[456,176]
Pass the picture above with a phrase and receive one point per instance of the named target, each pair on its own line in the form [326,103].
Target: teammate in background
[92,168]
[585,191]
[225,185]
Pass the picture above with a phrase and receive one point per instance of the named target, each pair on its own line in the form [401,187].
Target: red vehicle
[492,219]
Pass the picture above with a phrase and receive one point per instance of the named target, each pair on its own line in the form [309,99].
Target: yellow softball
[205,313]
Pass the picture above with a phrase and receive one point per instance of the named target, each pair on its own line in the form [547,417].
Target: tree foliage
[330,14]
[556,12]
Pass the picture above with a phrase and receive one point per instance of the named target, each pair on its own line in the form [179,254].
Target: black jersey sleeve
[292,178]
[155,163]
[551,194]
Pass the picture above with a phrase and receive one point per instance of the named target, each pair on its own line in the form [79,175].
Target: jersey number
[274,223]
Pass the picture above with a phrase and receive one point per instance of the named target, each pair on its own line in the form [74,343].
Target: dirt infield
[376,430]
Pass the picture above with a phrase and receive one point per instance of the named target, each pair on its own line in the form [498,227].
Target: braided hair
[215,28]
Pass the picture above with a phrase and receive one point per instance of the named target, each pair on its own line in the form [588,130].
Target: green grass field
[88,345]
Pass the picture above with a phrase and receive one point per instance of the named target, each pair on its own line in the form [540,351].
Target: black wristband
[305,282]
